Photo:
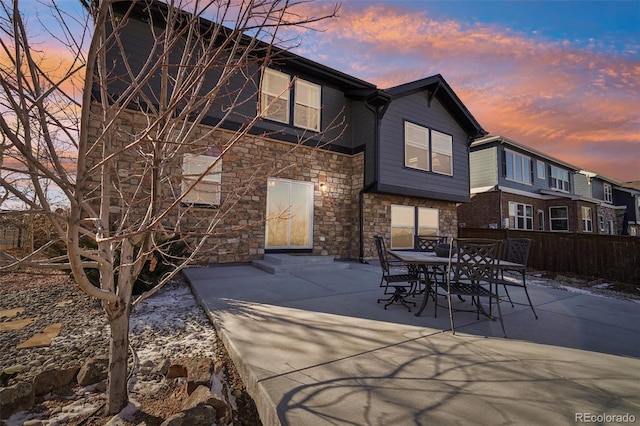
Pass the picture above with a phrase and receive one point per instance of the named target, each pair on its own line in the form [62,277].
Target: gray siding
[597,189]
[581,185]
[537,184]
[395,177]
[484,168]
[363,135]
[335,113]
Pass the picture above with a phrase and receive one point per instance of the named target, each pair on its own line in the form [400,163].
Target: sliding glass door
[289,214]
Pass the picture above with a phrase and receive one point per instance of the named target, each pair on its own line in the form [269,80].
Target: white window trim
[433,231]
[412,227]
[310,202]
[552,219]
[299,103]
[540,220]
[422,145]
[541,169]
[284,95]
[525,176]
[587,219]
[193,166]
[514,216]
[555,180]
[444,151]
[608,193]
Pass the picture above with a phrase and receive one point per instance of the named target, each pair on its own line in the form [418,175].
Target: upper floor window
[419,141]
[541,169]
[306,113]
[559,218]
[274,95]
[205,192]
[559,179]
[416,146]
[518,167]
[608,194]
[587,219]
[275,100]
[441,153]
[520,216]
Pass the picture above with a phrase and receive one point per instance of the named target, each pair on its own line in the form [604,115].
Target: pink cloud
[580,103]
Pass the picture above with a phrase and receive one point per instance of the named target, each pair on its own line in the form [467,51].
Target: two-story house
[611,212]
[628,193]
[333,161]
[516,187]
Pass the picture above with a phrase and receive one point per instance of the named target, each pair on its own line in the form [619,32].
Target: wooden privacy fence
[609,257]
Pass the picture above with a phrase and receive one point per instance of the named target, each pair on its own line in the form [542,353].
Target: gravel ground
[167,326]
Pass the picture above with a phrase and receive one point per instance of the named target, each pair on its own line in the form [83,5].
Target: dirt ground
[154,409]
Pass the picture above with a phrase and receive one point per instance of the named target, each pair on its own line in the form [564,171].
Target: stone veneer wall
[239,234]
[377,217]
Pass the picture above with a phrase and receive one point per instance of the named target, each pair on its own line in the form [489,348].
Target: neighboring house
[397,168]
[629,197]
[611,211]
[514,186]
[629,193]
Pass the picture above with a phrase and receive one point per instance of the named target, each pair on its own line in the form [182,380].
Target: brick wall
[482,210]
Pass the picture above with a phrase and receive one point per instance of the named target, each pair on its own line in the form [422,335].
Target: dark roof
[436,86]
[141,10]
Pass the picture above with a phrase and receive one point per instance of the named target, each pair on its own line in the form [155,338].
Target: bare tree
[108,130]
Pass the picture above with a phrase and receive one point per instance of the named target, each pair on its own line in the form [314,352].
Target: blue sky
[562,77]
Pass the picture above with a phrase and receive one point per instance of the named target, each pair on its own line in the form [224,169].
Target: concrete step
[286,263]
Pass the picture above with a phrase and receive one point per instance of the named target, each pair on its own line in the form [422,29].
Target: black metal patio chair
[397,276]
[473,273]
[517,251]
[433,273]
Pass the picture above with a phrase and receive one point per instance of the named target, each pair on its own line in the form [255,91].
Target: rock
[43,338]
[9,372]
[33,422]
[176,370]
[200,415]
[15,397]
[93,371]
[162,368]
[54,378]
[197,370]
[203,396]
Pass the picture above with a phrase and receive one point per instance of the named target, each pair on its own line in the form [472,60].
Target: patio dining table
[428,260]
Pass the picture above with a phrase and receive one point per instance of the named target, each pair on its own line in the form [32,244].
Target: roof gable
[436,86]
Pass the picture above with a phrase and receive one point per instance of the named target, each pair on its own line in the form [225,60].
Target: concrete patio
[315,348]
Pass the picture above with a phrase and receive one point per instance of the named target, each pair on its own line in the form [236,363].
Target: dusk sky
[562,77]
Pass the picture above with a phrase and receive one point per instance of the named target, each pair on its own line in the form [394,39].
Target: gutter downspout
[378,112]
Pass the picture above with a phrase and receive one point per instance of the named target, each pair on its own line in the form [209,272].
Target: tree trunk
[117,395]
